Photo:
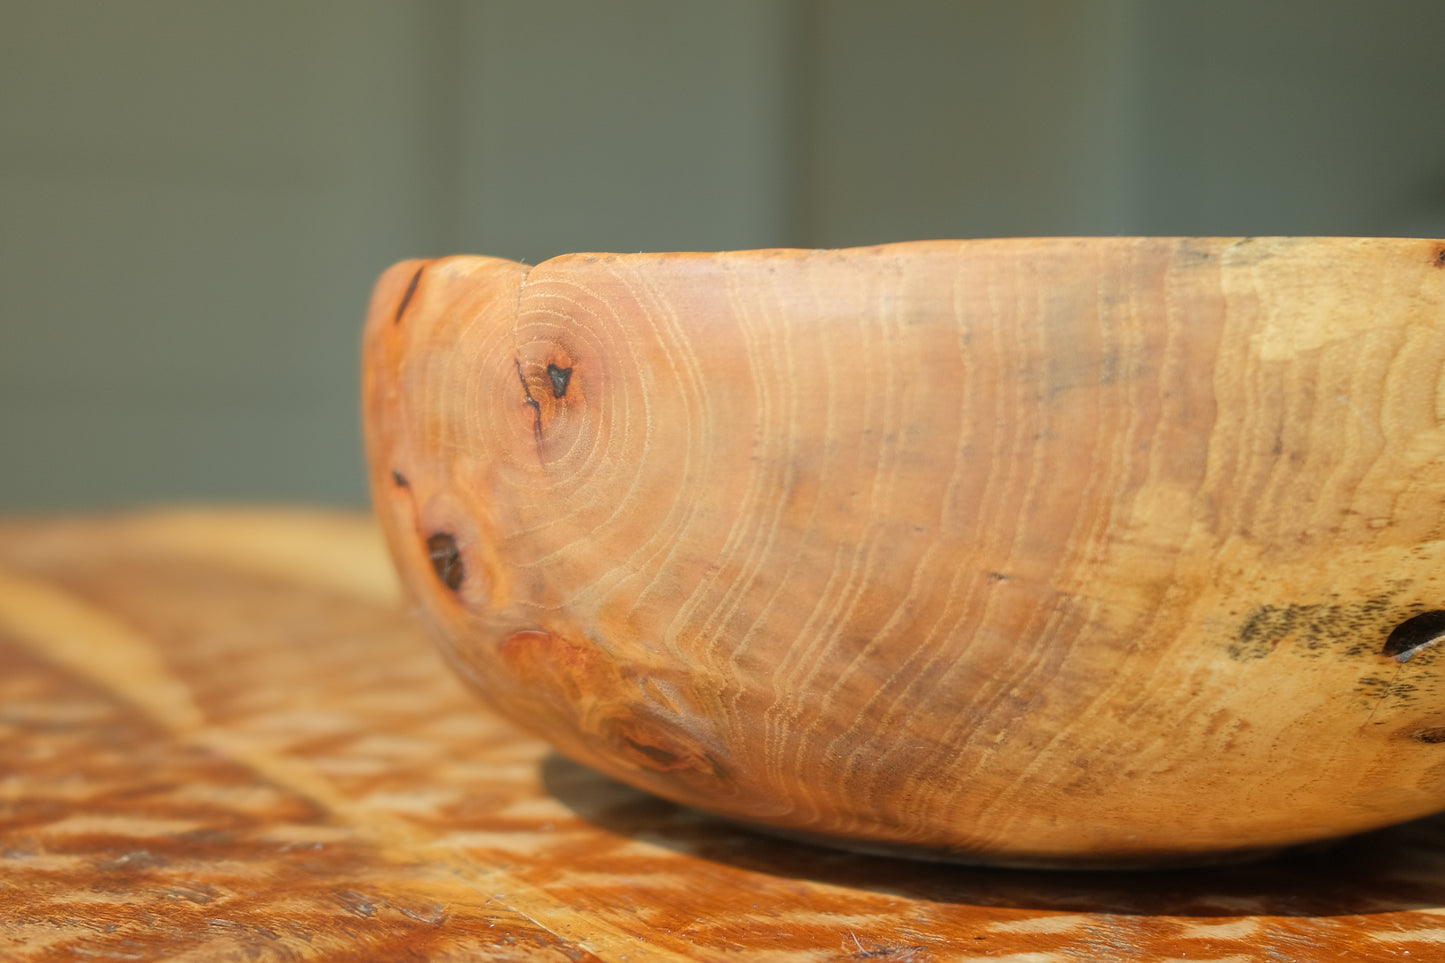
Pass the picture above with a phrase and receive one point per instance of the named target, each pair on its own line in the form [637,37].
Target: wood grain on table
[223,737]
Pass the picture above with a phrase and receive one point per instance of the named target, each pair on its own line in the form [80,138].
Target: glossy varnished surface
[221,738]
[1033,551]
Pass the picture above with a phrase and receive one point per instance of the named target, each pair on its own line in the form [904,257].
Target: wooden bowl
[1089,552]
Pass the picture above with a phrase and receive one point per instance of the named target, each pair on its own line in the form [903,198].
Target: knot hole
[1415,634]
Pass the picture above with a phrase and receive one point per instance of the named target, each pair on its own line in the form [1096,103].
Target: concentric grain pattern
[1059,551]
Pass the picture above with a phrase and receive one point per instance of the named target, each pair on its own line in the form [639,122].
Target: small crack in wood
[536,406]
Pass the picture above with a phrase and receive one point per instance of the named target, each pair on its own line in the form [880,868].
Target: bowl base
[1082,862]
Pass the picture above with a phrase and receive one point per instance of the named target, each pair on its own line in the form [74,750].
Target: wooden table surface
[222,737]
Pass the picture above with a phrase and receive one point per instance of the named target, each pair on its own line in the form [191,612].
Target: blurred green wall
[195,196]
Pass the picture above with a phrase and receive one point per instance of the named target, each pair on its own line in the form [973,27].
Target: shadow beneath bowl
[1398,869]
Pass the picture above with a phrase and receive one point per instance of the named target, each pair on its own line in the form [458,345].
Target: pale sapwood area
[1058,551]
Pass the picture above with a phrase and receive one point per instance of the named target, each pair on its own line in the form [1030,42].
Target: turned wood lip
[935,245]
[1025,240]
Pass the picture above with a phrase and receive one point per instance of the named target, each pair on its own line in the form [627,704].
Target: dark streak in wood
[406,298]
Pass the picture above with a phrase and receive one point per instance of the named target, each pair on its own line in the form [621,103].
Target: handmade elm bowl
[1066,552]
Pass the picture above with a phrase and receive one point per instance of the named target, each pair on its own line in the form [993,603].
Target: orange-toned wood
[1081,551]
[221,737]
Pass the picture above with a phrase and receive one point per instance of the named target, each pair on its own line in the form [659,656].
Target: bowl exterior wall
[1065,550]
